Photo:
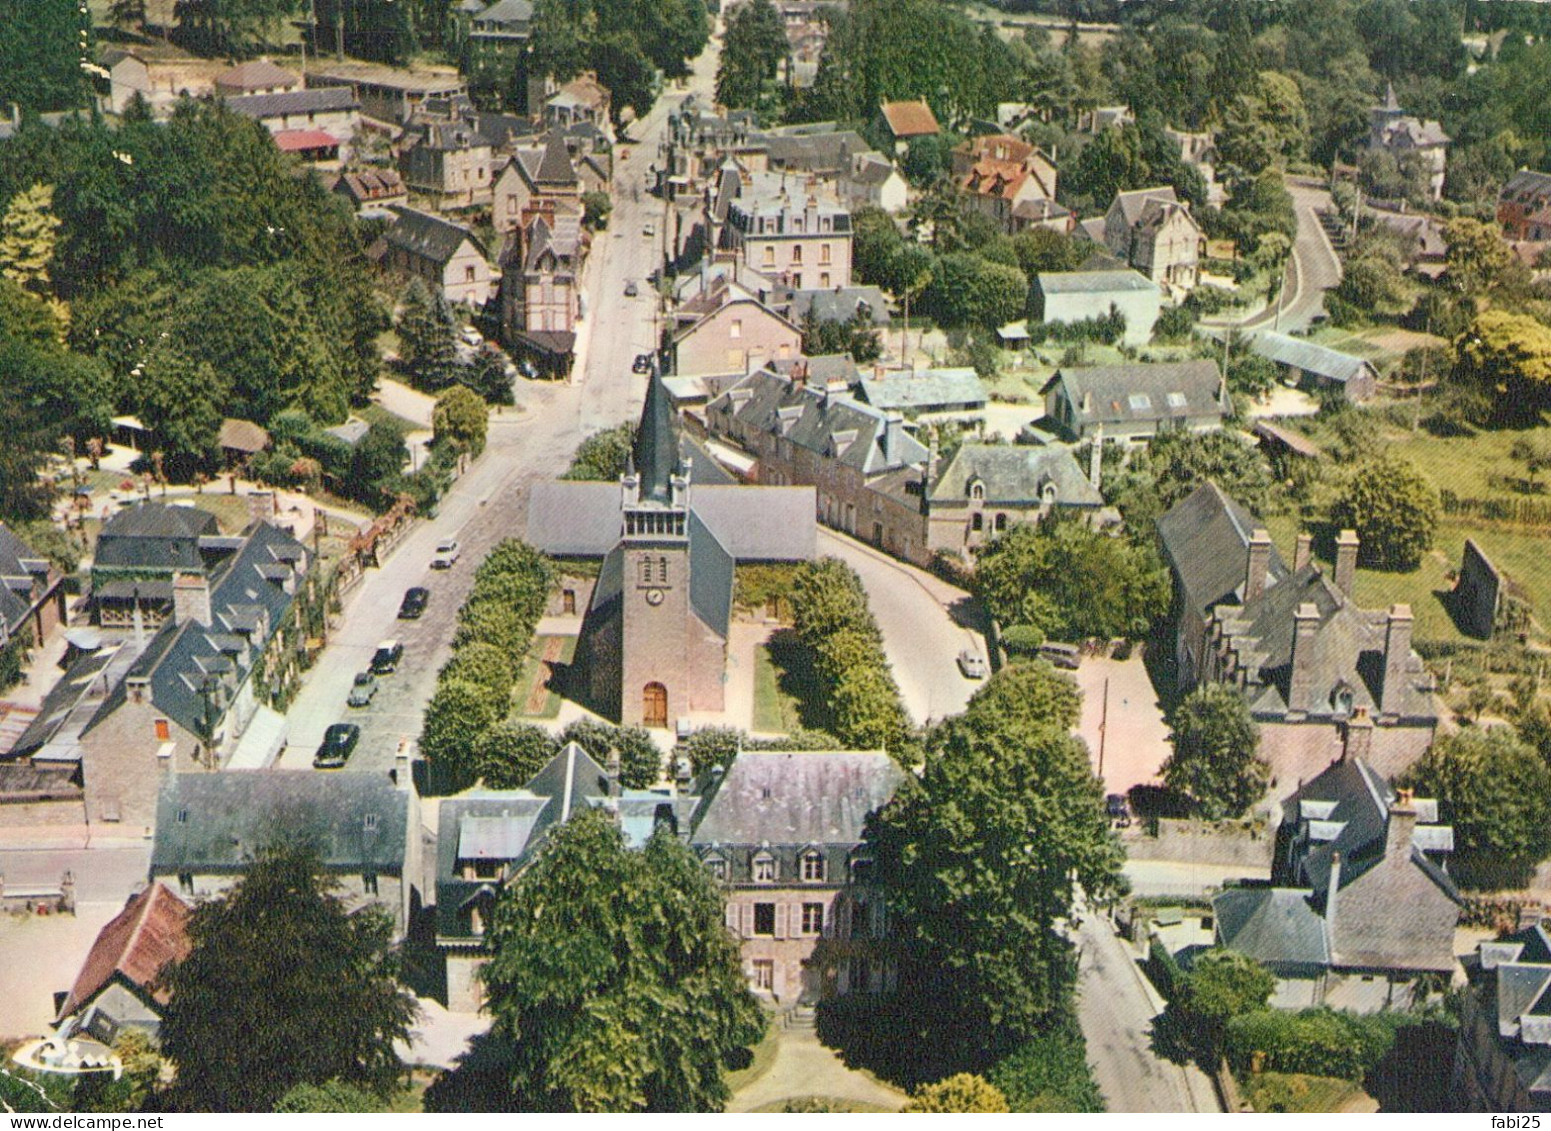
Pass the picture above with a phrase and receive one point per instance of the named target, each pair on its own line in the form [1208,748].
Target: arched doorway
[654,705]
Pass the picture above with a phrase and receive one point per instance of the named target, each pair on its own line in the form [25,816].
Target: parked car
[1061,655]
[447,552]
[362,690]
[1117,808]
[337,746]
[972,664]
[649,231]
[386,658]
[471,336]
[642,363]
[631,290]
[415,601]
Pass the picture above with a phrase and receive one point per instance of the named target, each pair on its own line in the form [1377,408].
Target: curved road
[1312,269]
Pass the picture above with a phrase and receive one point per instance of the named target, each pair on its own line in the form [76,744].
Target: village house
[1317,367]
[1360,911]
[446,256]
[653,645]
[1199,151]
[256,76]
[305,122]
[1306,658]
[1502,1057]
[497,36]
[783,832]
[1152,230]
[927,396]
[159,75]
[449,163]
[118,988]
[1524,206]
[364,828]
[987,488]
[537,173]
[1134,402]
[32,593]
[903,122]
[873,180]
[540,291]
[834,304]
[390,95]
[140,549]
[372,189]
[727,330]
[1392,130]
[1007,179]
[1065,297]
[788,229]
[581,101]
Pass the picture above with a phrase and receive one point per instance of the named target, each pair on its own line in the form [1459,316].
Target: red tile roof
[910,119]
[150,932]
[294,141]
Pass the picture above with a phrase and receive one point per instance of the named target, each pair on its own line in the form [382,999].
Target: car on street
[1061,655]
[415,601]
[631,290]
[362,690]
[649,231]
[972,664]
[338,744]
[386,658]
[446,554]
[471,336]
[642,363]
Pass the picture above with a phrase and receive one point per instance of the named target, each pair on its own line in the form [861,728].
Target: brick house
[1305,656]
[364,827]
[1000,175]
[1524,206]
[540,292]
[903,122]
[117,987]
[987,488]
[1152,230]
[536,173]
[372,188]
[783,831]
[1360,912]
[447,257]
[1134,402]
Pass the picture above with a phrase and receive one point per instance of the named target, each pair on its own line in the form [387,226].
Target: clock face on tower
[654,596]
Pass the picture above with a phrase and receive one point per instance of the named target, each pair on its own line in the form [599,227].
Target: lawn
[534,699]
[776,710]
[1382,345]
[761,1057]
[1473,466]
[375,413]
[1293,1092]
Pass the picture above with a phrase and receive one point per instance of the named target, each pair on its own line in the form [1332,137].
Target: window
[977,490]
[764,974]
[186,883]
[764,869]
[369,822]
[735,331]
[163,730]
[1139,402]
[824,253]
[369,883]
[182,816]
[1176,400]
[769,256]
[813,867]
[468,273]
[1001,523]
[977,522]
[764,919]
[824,279]
[813,918]
[718,867]
[797,254]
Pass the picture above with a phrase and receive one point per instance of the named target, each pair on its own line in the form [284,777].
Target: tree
[980,859]
[488,377]
[1534,452]
[753,50]
[596,207]
[376,463]
[1049,1073]
[1393,507]
[457,720]
[961,1093]
[311,986]
[181,398]
[1222,985]
[29,231]
[41,55]
[510,754]
[1216,752]
[428,332]
[460,420]
[1509,355]
[969,290]
[602,455]
[1265,125]
[1479,259]
[614,978]
[1496,792]
[329,1096]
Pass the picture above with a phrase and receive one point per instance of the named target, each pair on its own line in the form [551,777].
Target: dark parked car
[415,601]
[337,746]
[1118,809]
[642,363]
[362,690]
[386,658]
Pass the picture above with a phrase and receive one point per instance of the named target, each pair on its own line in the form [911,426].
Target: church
[653,645]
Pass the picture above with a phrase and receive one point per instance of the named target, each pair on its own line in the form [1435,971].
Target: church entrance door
[654,705]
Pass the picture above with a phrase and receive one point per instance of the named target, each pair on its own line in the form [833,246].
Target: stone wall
[1478,592]
[1202,842]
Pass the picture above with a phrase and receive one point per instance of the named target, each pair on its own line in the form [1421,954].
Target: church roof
[656,451]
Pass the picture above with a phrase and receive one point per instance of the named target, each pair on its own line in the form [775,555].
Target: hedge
[1049,1074]
[1318,1042]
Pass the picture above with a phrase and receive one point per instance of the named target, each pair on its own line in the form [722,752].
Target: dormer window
[977,490]
[717,867]
[813,866]
[764,868]
[369,822]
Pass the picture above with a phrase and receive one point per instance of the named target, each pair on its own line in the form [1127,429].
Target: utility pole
[1103,726]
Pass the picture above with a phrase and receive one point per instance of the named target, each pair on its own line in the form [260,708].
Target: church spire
[656,451]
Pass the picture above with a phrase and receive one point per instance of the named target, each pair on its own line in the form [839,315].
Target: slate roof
[1527,187]
[154,536]
[217,823]
[1093,282]
[926,391]
[796,799]
[367,185]
[1134,203]
[1276,926]
[1321,361]
[910,119]
[38,781]
[554,164]
[1141,391]
[710,577]
[428,236]
[1205,538]
[1014,475]
[150,932]
[507,12]
[21,571]
[838,304]
[820,153]
[72,703]
[318,100]
[655,456]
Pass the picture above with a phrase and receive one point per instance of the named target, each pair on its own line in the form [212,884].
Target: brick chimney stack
[191,598]
[1258,566]
[1358,740]
[1305,628]
[1402,824]
[1397,658]
[1346,561]
[1304,554]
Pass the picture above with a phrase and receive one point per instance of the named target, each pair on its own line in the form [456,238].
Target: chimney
[893,438]
[1397,655]
[261,506]
[1096,458]
[613,771]
[1330,894]
[1087,403]
[1305,627]
[1358,740]
[1346,561]
[1304,554]
[191,598]
[1258,565]
[932,456]
[1402,823]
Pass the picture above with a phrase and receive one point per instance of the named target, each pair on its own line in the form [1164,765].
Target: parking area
[1130,741]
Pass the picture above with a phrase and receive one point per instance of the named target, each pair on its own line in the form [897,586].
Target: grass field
[375,413]
[531,699]
[776,711]
[1382,345]
[1476,465]
[1293,1092]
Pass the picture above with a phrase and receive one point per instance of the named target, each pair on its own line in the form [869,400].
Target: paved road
[1116,1008]
[490,502]
[925,621]
[1312,269]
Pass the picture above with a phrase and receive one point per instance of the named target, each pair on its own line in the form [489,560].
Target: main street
[489,502]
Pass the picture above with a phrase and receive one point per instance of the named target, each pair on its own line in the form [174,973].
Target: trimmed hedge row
[1317,1042]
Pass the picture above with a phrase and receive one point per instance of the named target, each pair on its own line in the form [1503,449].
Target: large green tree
[1509,356]
[1393,507]
[1216,757]
[311,988]
[981,858]
[614,979]
[752,53]
[41,55]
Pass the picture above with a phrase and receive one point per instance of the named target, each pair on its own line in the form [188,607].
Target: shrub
[1049,1074]
[1318,1042]
[1023,639]
[961,1093]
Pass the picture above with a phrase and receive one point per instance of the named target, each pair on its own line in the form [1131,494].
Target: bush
[961,1093]
[1023,639]
[1317,1042]
[1049,1074]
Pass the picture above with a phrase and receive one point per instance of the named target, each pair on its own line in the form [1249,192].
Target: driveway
[1130,741]
[925,623]
[804,1067]
[1116,1007]
[1312,269]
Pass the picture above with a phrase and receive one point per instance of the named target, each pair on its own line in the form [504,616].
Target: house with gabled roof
[1391,129]
[1318,367]
[906,121]
[448,161]
[32,595]
[1153,231]
[1502,1056]
[1524,206]
[1003,176]
[541,267]
[363,827]
[447,257]
[256,76]
[1136,401]
[119,985]
[731,332]
[1360,911]
[1306,657]
[372,188]
[987,488]
[535,173]
[1066,297]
